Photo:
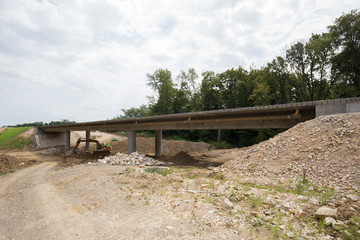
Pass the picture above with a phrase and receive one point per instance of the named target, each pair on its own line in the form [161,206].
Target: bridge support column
[67,141]
[87,144]
[131,141]
[158,139]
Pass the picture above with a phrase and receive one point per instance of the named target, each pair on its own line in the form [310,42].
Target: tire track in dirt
[33,208]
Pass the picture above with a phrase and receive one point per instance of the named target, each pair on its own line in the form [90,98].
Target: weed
[299,188]
[352,231]
[193,218]
[326,195]
[321,225]
[191,176]
[219,176]
[196,199]
[161,171]
[255,202]
[276,231]
[210,199]
[114,140]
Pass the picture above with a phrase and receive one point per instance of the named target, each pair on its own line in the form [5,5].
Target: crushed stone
[134,159]
[326,149]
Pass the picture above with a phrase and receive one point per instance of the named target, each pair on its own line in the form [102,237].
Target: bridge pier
[131,141]
[67,141]
[87,144]
[158,139]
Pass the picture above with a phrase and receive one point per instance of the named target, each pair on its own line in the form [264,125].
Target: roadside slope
[327,148]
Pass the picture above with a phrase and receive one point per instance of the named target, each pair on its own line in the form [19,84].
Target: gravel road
[82,202]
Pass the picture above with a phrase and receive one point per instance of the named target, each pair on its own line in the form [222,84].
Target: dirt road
[87,202]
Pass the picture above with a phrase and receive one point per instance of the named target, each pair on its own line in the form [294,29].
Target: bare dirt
[170,148]
[259,193]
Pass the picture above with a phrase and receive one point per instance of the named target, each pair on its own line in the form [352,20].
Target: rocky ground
[302,184]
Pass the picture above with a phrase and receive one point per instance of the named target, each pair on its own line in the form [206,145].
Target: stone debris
[326,212]
[326,148]
[228,203]
[353,197]
[51,151]
[329,221]
[134,159]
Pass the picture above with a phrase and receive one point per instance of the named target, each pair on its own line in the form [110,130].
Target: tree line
[326,66]
[41,124]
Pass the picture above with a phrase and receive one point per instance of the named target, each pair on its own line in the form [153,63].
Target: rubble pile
[133,159]
[326,149]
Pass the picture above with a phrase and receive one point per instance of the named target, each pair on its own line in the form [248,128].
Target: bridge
[261,117]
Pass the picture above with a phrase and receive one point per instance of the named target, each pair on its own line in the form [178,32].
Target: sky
[85,60]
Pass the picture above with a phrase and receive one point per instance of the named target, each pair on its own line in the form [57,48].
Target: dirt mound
[10,163]
[326,147]
[183,158]
[169,147]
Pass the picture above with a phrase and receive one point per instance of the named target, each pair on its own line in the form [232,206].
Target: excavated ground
[267,191]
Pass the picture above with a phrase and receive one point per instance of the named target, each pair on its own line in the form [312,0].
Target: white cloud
[85,60]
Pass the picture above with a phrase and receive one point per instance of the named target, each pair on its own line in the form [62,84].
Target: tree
[210,91]
[345,33]
[231,92]
[280,75]
[319,50]
[187,97]
[162,84]
[134,112]
[296,57]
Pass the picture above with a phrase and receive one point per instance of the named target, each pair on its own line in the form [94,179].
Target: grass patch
[161,171]
[8,139]
[352,230]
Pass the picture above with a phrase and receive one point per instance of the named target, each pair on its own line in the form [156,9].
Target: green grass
[8,139]
[161,171]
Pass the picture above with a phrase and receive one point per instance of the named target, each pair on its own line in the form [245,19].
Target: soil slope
[327,148]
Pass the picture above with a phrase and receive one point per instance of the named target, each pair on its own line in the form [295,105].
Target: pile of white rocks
[134,159]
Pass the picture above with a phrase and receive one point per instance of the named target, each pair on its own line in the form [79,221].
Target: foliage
[325,66]
[134,112]
[8,139]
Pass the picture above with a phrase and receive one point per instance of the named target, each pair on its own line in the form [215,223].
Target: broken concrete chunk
[329,221]
[299,213]
[228,203]
[353,197]
[326,212]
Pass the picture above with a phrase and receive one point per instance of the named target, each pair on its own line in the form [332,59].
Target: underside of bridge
[264,117]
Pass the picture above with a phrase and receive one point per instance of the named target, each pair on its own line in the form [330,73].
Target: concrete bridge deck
[262,117]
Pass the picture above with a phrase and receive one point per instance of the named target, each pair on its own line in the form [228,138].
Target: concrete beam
[87,144]
[67,141]
[131,142]
[158,139]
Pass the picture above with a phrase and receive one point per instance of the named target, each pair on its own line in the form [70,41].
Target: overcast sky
[85,60]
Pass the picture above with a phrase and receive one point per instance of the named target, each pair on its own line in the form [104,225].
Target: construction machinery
[101,149]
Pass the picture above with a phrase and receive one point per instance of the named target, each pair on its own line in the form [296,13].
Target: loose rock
[128,160]
[326,212]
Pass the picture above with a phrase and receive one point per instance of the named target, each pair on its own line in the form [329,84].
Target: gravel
[134,159]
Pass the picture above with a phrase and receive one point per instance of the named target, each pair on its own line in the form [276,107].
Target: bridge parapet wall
[336,107]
